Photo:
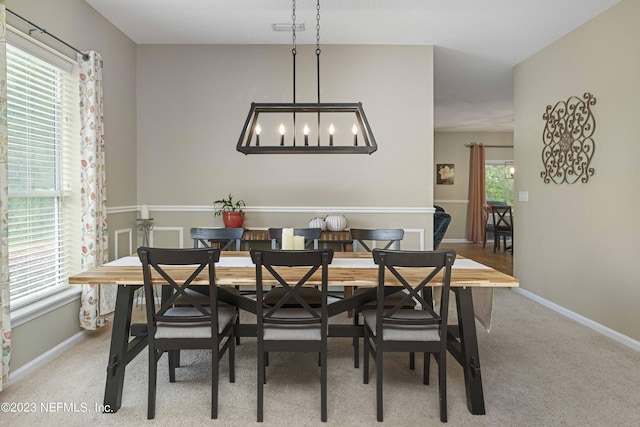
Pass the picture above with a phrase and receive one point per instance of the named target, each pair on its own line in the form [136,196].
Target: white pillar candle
[144,212]
[287,239]
[298,243]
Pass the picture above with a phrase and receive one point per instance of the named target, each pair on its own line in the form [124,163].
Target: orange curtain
[475,220]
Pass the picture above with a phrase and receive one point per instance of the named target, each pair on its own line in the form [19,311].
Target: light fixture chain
[318,25]
[293,25]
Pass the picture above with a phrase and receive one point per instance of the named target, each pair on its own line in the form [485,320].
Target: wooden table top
[466,273]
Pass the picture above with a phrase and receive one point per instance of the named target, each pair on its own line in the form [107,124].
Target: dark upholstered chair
[389,238]
[303,328]
[223,238]
[396,329]
[190,325]
[441,221]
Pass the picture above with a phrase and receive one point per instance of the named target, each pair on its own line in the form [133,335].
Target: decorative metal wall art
[568,143]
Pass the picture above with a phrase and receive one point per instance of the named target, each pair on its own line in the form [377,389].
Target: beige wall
[449,147]
[75,22]
[192,104]
[576,245]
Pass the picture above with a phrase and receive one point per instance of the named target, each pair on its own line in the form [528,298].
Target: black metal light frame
[246,137]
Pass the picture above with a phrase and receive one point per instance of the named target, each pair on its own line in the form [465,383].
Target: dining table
[347,270]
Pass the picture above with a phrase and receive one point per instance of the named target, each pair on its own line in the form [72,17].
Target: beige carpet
[538,368]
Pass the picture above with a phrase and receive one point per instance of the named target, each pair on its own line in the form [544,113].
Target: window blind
[43,175]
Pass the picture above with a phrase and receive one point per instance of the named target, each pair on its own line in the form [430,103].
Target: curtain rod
[492,146]
[45,32]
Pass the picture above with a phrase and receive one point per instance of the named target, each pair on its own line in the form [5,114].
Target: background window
[43,173]
[497,186]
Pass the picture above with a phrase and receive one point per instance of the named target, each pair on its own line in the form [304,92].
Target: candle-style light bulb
[305,130]
[354,129]
[258,130]
[331,130]
[281,133]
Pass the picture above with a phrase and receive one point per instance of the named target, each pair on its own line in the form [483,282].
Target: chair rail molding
[289,209]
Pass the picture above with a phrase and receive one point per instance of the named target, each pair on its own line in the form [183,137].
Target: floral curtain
[475,211]
[97,301]
[5,324]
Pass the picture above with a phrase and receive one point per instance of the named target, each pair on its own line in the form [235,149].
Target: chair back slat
[223,238]
[311,236]
[389,236]
[502,218]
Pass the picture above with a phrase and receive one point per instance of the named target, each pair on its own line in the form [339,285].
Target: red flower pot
[233,219]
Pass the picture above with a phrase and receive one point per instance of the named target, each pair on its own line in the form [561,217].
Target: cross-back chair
[309,294]
[502,226]
[223,238]
[191,325]
[396,329]
[303,328]
[311,236]
[390,238]
[488,220]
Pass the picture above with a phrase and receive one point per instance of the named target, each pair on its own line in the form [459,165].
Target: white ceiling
[477,42]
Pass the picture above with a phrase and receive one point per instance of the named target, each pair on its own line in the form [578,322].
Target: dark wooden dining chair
[488,220]
[190,325]
[387,238]
[310,294]
[396,329]
[311,236]
[502,226]
[303,328]
[223,238]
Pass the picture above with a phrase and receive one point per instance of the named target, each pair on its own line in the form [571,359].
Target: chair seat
[193,329]
[390,301]
[404,332]
[311,295]
[309,332]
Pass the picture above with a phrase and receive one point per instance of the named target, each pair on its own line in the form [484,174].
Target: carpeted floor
[538,368]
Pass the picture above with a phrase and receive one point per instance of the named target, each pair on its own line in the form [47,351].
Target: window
[43,231]
[497,186]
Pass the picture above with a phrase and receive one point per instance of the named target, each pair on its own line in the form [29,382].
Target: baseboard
[456,241]
[46,357]
[614,335]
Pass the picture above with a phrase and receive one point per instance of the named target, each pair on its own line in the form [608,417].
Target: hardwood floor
[501,260]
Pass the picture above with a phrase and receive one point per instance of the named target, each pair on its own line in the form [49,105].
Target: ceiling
[477,43]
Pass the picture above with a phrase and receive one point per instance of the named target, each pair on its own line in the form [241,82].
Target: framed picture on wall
[445,173]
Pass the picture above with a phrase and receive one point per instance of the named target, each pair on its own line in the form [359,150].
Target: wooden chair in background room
[190,325]
[223,238]
[389,237]
[488,220]
[310,294]
[396,329]
[502,226]
[291,329]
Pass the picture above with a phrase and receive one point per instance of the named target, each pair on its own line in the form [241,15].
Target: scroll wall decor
[568,143]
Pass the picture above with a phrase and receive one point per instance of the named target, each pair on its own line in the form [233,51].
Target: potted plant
[231,211]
